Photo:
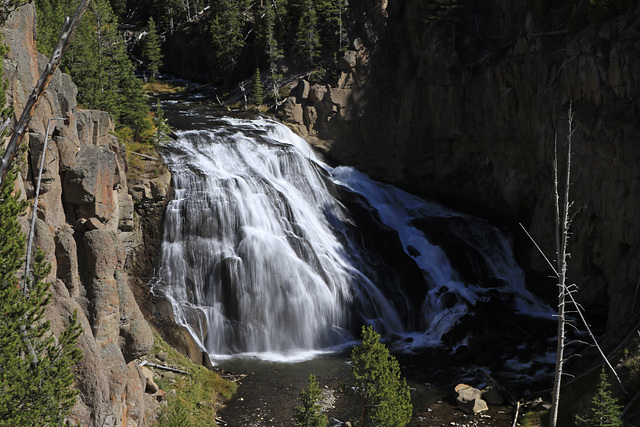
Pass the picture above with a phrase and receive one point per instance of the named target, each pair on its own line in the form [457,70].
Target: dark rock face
[472,121]
[84,215]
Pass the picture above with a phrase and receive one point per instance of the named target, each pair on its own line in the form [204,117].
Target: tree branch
[40,88]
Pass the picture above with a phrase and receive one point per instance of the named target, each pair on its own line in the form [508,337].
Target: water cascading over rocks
[267,249]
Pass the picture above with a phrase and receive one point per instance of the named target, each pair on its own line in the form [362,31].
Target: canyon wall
[88,229]
[470,118]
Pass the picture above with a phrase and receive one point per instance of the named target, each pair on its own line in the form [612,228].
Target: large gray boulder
[470,399]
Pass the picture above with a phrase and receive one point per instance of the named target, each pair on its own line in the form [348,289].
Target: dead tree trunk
[41,87]
[562,239]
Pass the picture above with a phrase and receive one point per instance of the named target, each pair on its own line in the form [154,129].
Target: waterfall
[268,249]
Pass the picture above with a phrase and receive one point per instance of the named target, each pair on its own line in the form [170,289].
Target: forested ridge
[244,35]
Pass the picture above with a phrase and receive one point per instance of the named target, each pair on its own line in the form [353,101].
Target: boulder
[470,399]
[292,111]
[94,127]
[151,386]
[317,93]
[304,88]
[348,61]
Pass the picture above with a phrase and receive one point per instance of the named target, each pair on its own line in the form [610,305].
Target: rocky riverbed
[268,392]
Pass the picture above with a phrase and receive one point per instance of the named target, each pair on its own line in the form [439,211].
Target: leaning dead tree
[43,82]
[563,223]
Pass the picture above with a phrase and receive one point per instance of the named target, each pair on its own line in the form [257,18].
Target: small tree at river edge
[604,410]
[386,401]
[309,414]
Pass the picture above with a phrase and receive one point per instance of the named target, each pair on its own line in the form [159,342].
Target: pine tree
[36,377]
[258,88]
[604,410]
[385,396]
[151,52]
[309,414]
[226,26]
[98,63]
[53,13]
[308,40]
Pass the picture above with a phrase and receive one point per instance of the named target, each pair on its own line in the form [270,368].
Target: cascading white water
[260,255]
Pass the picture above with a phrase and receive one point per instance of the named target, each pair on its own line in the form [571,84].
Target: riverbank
[269,391]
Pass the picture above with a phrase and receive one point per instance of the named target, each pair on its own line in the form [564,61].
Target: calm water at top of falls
[270,252]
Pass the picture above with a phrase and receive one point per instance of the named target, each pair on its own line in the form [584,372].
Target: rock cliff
[470,116]
[86,226]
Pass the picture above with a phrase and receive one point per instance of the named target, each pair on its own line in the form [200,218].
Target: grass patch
[192,400]
[534,419]
[162,87]
[139,166]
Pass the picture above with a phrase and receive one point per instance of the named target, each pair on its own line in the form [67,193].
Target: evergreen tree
[308,37]
[119,7]
[308,414]
[226,26]
[331,17]
[98,63]
[385,396]
[151,52]
[36,378]
[258,88]
[604,410]
[273,51]
[53,13]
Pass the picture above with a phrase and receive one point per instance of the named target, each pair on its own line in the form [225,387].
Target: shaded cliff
[86,227]
[469,116]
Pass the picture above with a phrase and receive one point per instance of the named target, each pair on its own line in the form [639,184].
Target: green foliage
[4,111]
[386,400]
[225,26]
[308,37]
[196,396]
[97,61]
[258,88]
[36,377]
[51,16]
[595,12]
[441,11]
[309,414]
[317,75]
[8,6]
[604,410]
[119,7]
[160,123]
[151,52]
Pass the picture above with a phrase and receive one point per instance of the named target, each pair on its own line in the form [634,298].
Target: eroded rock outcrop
[85,212]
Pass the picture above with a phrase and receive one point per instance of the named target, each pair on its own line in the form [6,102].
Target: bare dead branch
[40,88]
